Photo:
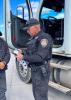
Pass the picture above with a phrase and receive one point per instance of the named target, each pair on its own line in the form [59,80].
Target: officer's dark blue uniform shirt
[4,53]
[39,48]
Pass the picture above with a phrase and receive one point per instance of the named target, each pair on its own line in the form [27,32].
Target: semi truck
[58,25]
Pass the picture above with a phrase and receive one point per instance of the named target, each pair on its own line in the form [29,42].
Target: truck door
[19,37]
[15,16]
[50,22]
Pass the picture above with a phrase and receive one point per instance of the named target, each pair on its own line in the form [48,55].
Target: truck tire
[24,71]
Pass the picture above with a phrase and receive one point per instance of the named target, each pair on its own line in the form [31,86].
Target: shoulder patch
[44,42]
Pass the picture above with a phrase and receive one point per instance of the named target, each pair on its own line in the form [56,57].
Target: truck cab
[55,19]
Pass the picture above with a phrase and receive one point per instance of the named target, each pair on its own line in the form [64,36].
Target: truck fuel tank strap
[54,65]
[60,88]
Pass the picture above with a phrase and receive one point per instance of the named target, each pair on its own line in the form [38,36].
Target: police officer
[38,54]
[4,59]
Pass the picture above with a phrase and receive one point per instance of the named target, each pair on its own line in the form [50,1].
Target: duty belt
[37,64]
[40,63]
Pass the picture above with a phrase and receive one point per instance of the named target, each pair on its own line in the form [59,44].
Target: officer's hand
[2,65]
[19,56]
[19,50]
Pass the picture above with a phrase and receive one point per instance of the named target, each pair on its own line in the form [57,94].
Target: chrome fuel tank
[63,76]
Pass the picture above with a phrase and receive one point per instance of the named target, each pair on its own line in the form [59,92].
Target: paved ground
[18,90]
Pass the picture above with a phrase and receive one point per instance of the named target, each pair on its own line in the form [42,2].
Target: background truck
[58,28]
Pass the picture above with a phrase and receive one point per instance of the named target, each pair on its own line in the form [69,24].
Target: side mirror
[0,33]
[20,12]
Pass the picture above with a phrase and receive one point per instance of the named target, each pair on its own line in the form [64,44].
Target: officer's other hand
[2,65]
[19,56]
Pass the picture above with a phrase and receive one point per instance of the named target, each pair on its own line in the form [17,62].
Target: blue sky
[35,4]
[14,3]
[1,15]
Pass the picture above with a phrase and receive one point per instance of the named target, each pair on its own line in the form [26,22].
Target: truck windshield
[52,22]
[46,12]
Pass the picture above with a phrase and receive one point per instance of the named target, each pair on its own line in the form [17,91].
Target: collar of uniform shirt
[38,34]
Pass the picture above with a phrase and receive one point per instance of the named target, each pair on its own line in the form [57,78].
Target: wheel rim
[23,68]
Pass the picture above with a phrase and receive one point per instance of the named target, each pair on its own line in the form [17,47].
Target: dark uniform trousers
[2,85]
[40,83]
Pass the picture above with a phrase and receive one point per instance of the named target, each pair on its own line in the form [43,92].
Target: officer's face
[32,30]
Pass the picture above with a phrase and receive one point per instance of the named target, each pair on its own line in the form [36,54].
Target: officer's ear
[0,33]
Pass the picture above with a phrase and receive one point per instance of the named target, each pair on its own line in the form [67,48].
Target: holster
[44,70]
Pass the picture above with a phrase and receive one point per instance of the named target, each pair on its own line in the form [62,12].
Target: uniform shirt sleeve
[43,47]
[7,53]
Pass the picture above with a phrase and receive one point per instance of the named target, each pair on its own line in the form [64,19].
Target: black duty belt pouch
[44,70]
